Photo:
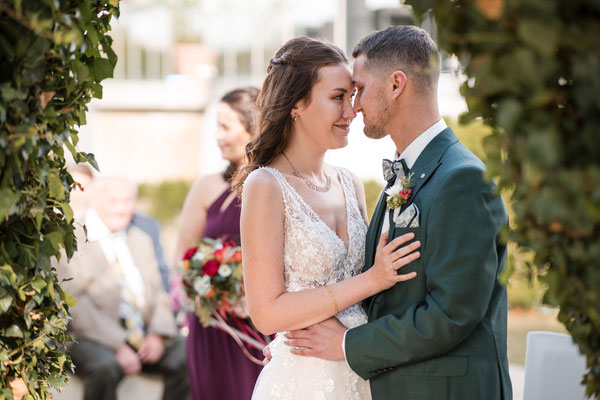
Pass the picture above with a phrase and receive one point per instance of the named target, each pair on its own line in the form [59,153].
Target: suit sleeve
[461,264]
[87,319]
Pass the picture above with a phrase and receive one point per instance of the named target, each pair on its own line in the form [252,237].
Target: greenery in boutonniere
[399,194]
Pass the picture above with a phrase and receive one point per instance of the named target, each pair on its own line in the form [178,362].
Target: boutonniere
[399,194]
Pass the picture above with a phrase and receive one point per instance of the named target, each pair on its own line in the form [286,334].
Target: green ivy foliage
[533,77]
[53,55]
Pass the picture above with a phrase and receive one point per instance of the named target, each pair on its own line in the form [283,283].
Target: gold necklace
[310,184]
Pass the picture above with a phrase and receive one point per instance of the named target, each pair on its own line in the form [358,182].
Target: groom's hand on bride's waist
[267,353]
[322,340]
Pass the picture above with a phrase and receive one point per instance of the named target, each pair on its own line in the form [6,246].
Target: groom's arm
[460,267]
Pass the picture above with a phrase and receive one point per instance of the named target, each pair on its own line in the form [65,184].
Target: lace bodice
[314,255]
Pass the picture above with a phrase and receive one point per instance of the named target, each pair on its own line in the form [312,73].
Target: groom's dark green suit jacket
[441,335]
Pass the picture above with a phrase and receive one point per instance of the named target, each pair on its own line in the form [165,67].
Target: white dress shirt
[410,155]
[114,246]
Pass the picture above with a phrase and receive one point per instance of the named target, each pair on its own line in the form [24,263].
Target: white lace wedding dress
[315,256]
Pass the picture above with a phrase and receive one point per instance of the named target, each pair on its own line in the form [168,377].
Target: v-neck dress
[314,256]
[217,367]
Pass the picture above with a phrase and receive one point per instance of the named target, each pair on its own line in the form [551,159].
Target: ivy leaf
[81,71]
[67,211]
[8,199]
[8,92]
[57,380]
[27,313]
[38,283]
[102,68]
[5,303]
[68,299]
[55,185]
[56,237]
[89,157]
[13,331]
[7,275]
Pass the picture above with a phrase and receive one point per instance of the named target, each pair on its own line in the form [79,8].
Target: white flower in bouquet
[198,256]
[224,271]
[202,285]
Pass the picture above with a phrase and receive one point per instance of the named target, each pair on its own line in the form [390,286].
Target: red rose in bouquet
[211,268]
[189,253]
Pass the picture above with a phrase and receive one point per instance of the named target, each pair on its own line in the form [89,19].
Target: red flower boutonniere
[399,194]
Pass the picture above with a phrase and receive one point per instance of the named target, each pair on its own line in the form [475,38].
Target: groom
[441,335]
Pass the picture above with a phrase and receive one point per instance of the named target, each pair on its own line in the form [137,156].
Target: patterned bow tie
[393,169]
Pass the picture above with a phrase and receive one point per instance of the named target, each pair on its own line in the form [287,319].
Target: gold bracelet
[335,306]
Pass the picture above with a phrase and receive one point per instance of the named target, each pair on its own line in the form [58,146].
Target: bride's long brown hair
[290,77]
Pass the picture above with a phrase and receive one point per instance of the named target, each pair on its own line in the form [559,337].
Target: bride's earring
[295,117]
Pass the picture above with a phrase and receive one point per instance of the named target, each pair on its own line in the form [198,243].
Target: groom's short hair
[403,47]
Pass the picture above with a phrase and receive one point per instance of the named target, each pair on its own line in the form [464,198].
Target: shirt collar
[96,229]
[414,150]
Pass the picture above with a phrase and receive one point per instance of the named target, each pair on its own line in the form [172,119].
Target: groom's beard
[376,122]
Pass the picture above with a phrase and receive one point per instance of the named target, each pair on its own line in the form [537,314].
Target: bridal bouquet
[212,278]
[211,274]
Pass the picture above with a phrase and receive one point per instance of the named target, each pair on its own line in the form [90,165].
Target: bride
[303,222]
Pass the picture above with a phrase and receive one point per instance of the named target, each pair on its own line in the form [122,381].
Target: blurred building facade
[156,121]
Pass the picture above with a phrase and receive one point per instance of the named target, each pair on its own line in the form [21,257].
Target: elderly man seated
[123,323]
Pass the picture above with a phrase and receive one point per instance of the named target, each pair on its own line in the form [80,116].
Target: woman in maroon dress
[217,366]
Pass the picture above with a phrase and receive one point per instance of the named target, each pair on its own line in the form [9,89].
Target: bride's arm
[271,308]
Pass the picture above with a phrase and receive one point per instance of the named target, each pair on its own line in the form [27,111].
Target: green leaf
[55,185]
[89,157]
[81,71]
[71,148]
[56,237]
[13,331]
[8,199]
[102,68]
[92,35]
[7,275]
[68,212]
[58,381]
[9,93]
[5,303]
[38,283]
[68,299]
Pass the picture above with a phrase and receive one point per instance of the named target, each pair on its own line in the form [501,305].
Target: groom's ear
[399,80]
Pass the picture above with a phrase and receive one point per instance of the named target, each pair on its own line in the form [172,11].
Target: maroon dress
[217,367]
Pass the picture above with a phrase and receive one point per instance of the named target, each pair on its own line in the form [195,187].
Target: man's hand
[267,353]
[152,348]
[128,359]
[322,340]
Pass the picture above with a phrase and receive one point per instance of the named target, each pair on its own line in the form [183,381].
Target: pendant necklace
[310,184]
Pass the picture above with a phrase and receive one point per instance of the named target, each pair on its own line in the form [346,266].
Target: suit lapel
[374,230]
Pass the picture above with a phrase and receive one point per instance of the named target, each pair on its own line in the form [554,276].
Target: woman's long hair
[291,75]
[243,102]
